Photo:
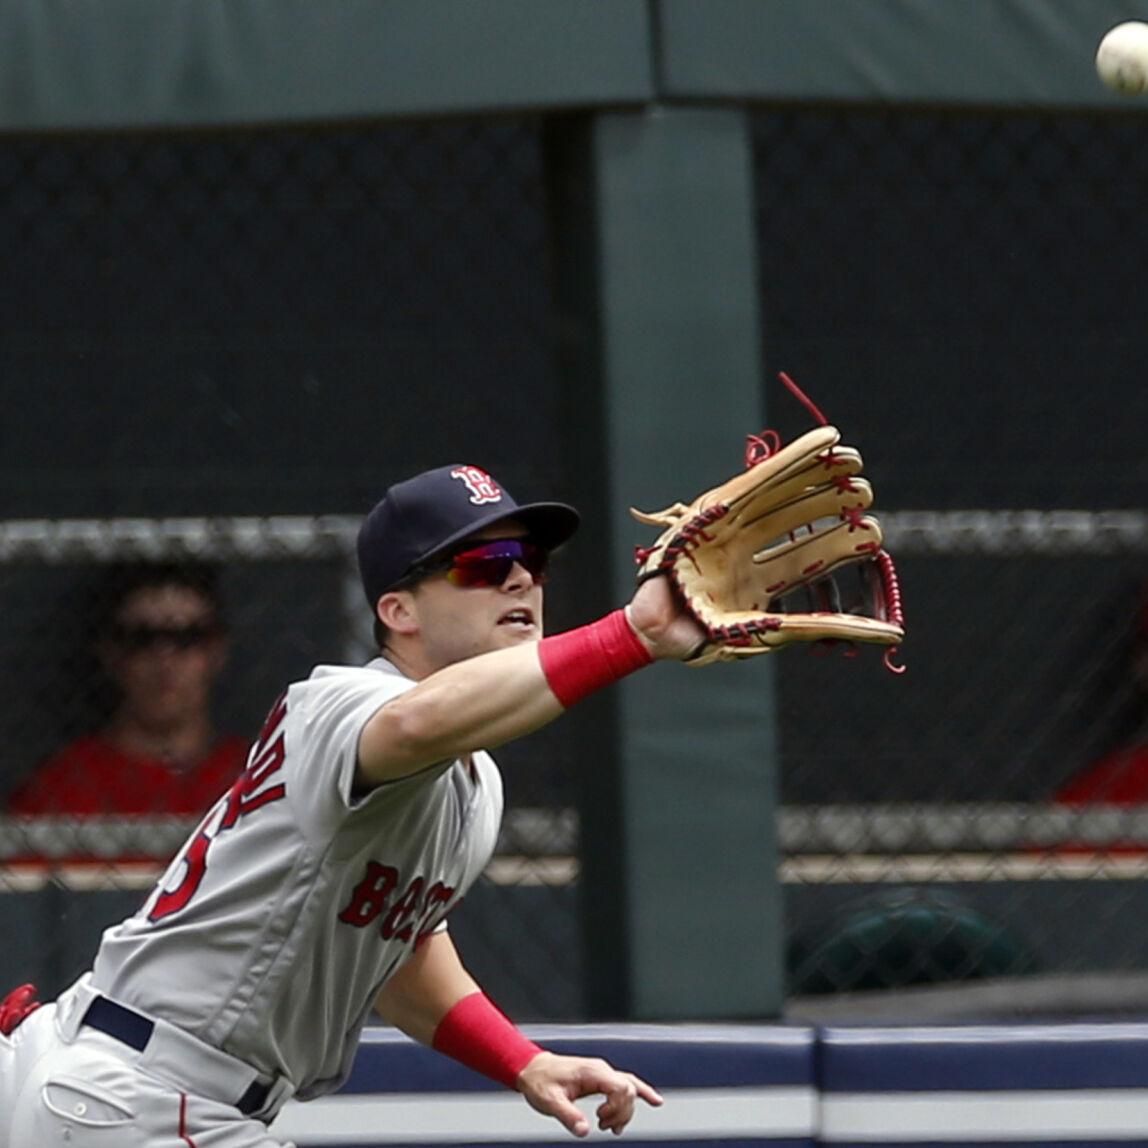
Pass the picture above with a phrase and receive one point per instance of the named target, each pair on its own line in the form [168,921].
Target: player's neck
[407,662]
[183,743]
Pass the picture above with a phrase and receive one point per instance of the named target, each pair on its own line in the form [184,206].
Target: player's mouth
[520,618]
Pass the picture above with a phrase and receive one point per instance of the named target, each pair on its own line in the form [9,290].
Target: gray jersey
[273,929]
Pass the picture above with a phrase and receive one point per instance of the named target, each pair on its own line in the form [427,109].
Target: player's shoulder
[377,671]
[378,678]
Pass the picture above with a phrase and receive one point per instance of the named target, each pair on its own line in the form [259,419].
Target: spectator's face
[164,654]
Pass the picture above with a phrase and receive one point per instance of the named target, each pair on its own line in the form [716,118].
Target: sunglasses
[136,639]
[490,563]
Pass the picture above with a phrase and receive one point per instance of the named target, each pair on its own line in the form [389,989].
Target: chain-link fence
[220,347]
[959,291]
[144,651]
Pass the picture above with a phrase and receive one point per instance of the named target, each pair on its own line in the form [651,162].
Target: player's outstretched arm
[488,700]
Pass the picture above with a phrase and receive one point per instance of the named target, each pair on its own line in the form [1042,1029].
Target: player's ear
[397,610]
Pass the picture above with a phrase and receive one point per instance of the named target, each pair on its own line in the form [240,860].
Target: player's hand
[662,622]
[551,1083]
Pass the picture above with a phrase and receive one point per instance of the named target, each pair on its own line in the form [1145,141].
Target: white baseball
[1122,58]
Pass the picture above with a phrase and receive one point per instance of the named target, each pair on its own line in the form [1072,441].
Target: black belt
[135,1031]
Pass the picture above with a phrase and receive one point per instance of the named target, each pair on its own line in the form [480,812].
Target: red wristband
[475,1033]
[581,661]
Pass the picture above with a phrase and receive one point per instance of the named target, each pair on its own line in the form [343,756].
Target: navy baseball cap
[424,516]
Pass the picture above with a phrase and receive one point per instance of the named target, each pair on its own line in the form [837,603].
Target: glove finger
[836,467]
[837,502]
[811,556]
[837,627]
[814,459]
[742,641]
[671,516]
[791,461]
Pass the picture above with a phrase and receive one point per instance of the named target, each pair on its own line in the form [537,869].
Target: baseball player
[319,885]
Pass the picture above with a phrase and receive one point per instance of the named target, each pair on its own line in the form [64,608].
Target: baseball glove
[759,560]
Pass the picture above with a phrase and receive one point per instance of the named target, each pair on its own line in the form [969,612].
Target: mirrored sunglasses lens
[491,563]
[481,572]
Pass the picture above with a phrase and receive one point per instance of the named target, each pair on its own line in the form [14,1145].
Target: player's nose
[519,578]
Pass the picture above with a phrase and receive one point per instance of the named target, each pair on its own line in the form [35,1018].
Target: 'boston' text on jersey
[414,909]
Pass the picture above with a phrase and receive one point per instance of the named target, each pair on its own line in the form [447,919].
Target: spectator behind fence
[1119,775]
[162,642]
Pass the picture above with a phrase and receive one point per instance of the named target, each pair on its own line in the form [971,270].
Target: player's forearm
[493,698]
[425,989]
[434,1000]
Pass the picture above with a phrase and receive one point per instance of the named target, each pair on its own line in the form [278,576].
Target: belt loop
[254,1099]
[278,1093]
[71,1005]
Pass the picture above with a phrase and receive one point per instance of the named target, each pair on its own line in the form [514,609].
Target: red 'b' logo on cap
[482,487]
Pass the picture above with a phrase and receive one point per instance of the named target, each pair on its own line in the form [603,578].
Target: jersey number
[245,796]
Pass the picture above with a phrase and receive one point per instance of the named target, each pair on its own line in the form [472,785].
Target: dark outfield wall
[285,321]
[295,316]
